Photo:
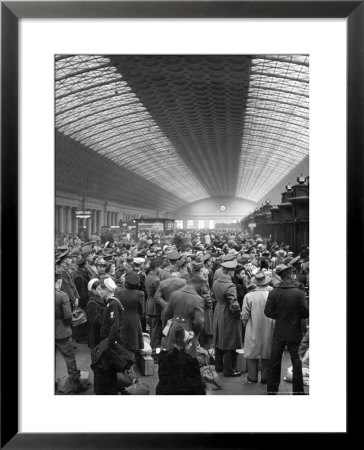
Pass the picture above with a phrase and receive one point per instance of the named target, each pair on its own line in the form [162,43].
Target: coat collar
[286,284]
[224,278]
[188,288]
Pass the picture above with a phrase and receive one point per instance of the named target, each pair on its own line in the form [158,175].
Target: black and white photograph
[181,224]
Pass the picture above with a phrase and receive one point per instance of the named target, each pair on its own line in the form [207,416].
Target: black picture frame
[11,12]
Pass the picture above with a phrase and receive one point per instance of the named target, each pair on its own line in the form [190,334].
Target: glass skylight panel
[96,107]
[275,133]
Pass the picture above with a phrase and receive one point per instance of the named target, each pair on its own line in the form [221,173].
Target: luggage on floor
[305,373]
[241,365]
[147,350]
[126,379]
[64,384]
[210,377]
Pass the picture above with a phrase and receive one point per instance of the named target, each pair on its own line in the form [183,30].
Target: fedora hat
[282,268]
[261,279]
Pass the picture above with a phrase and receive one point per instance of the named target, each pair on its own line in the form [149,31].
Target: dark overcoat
[81,279]
[187,305]
[95,311]
[131,328]
[166,288]
[288,306]
[151,285]
[227,330]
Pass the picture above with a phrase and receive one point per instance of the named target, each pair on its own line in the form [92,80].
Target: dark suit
[287,305]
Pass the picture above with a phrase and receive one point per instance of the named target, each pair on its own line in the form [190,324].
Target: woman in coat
[178,371]
[258,328]
[95,311]
[132,301]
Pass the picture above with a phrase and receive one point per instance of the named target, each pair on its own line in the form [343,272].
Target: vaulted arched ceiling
[186,127]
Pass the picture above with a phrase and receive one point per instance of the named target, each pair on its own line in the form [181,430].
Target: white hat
[110,284]
[139,260]
[90,283]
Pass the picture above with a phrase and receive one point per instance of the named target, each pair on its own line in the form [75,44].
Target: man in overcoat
[227,332]
[173,258]
[154,310]
[167,287]
[186,308]
[287,305]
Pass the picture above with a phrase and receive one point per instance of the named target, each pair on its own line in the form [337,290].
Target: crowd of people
[220,290]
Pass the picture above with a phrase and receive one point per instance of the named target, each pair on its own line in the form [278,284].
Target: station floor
[230,386]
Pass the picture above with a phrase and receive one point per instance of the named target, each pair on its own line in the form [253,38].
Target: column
[102,219]
[56,221]
[61,219]
[94,221]
[98,219]
[69,219]
[89,227]
[117,219]
[74,221]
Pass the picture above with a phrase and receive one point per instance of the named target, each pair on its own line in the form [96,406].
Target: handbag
[210,376]
[202,356]
[78,317]
[138,388]
[126,379]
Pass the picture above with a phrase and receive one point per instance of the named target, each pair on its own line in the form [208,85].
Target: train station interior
[213,145]
[200,139]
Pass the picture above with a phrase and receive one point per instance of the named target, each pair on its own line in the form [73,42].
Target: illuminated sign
[83,214]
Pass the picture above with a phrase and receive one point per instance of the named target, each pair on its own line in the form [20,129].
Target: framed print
[151,131]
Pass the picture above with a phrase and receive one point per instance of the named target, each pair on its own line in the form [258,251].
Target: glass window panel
[96,107]
[275,137]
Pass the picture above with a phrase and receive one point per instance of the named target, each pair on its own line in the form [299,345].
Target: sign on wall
[83,214]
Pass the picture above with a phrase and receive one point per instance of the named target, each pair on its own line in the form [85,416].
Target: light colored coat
[259,328]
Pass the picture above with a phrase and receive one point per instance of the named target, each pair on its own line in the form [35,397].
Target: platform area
[230,386]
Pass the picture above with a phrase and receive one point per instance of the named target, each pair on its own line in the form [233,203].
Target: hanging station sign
[83,214]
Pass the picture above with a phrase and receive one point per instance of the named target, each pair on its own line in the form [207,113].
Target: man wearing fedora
[287,305]
[258,328]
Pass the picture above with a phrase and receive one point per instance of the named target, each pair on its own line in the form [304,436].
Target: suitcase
[241,365]
[146,365]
